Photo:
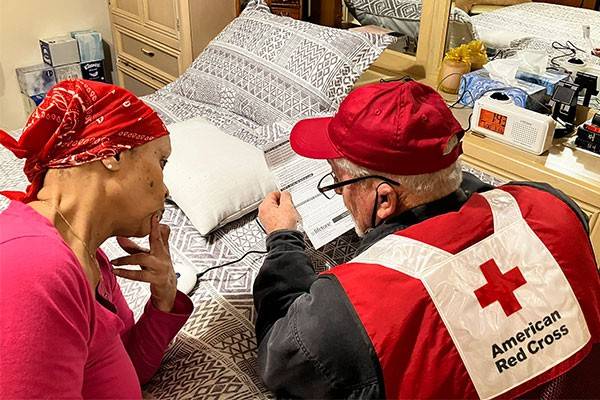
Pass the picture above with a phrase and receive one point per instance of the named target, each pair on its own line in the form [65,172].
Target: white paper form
[322,219]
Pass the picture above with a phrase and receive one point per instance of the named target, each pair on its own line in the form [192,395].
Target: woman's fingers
[157,268]
[141,259]
[159,238]
[165,231]
[134,275]
[130,246]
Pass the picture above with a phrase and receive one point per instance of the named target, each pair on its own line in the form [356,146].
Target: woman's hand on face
[157,268]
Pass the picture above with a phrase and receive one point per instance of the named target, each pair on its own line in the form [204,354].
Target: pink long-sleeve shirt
[56,338]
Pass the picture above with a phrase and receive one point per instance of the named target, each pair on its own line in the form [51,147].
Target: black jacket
[311,343]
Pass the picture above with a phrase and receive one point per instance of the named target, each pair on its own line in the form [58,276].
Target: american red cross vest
[493,300]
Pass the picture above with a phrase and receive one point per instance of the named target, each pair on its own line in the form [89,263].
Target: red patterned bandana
[79,122]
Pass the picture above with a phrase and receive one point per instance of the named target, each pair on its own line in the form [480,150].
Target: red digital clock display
[493,121]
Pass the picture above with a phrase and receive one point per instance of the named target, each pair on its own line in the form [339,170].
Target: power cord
[499,53]
[568,50]
[201,274]
[446,77]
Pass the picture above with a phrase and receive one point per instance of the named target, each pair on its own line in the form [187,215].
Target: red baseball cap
[401,128]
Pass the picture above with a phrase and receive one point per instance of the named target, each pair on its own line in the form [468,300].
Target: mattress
[214,355]
[536,26]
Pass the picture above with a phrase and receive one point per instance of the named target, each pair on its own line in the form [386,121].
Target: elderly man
[449,297]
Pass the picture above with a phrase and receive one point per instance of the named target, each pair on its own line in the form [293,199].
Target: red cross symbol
[500,287]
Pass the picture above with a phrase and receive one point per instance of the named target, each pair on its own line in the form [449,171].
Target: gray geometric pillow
[401,16]
[267,68]
[404,16]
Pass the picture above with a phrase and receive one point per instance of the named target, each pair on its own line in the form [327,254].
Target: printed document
[322,219]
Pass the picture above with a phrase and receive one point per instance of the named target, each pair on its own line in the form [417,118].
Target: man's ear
[388,202]
[112,163]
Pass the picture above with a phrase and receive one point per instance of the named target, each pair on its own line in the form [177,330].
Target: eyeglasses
[329,186]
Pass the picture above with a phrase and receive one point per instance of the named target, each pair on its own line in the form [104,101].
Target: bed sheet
[536,24]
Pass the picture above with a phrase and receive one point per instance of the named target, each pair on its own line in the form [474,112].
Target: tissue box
[31,102]
[478,83]
[89,44]
[69,71]
[59,51]
[548,79]
[36,79]
[93,71]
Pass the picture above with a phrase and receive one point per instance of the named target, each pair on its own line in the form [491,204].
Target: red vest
[493,300]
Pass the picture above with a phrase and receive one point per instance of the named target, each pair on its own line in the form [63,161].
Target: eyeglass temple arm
[354,180]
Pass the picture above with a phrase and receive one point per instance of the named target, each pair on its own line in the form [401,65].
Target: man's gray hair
[430,186]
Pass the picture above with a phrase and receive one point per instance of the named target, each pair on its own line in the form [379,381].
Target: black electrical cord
[568,50]
[499,53]
[201,274]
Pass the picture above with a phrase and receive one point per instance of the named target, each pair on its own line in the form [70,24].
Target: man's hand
[156,265]
[277,212]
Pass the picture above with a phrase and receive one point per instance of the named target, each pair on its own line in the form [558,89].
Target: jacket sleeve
[147,340]
[311,343]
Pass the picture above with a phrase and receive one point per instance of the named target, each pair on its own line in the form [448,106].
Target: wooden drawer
[136,80]
[160,59]
[292,12]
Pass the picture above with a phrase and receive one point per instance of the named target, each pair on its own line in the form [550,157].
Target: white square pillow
[213,177]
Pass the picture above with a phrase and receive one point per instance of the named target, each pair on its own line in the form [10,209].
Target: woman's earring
[109,166]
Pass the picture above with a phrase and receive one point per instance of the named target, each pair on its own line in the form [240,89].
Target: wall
[22,23]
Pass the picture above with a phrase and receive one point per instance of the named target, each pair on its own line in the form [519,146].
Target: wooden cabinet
[297,9]
[288,8]
[326,12]
[156,40]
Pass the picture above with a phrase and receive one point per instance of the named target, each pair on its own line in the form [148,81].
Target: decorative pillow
[213,177]
[400,16]
[404,16]
[268,68]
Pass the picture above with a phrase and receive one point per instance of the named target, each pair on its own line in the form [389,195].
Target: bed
[214,356]
[536,25]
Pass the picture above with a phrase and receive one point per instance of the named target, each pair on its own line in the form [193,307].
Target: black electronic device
[587,145]
[589,131]
[588,135]
[564,106]
[587,85]
[500,96]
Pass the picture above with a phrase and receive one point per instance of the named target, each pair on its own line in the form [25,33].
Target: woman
[94,156]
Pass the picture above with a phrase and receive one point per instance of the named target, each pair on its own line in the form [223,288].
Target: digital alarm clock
[497,117]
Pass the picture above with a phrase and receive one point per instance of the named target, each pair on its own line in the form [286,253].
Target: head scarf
[79,122]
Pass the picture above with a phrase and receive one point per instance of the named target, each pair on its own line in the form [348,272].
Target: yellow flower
[472,52]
